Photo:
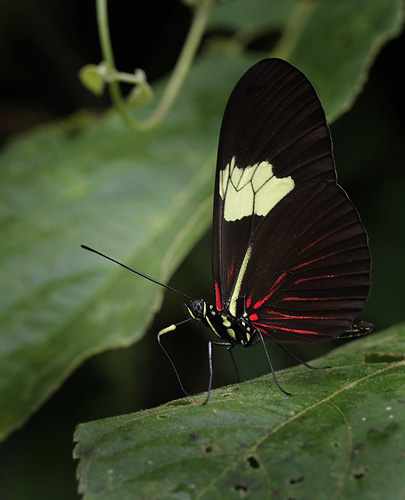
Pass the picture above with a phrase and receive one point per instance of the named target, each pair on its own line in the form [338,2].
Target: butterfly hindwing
[288,245]
[308,277]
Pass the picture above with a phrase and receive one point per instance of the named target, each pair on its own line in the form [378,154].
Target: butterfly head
[197,309]
[227,327]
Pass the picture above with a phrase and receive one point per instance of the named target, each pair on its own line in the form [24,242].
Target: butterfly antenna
[166,330]
[139,273]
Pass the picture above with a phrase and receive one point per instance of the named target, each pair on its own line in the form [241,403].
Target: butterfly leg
[270,364]
[210,344]
[300,360]
[211,372]
[229,349]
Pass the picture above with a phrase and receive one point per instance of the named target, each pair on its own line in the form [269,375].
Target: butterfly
[290,256]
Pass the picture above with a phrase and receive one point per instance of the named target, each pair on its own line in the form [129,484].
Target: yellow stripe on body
[238,284]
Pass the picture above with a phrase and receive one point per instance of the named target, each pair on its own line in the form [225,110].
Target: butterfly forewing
[289,249]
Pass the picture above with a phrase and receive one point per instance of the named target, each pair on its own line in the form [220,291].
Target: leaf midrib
[299,414]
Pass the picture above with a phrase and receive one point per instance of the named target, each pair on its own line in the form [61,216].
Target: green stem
[106,49]
[179,73]
[182,66]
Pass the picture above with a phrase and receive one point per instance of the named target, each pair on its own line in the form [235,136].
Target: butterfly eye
[198,308]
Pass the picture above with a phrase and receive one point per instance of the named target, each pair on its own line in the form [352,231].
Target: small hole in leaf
[297,480]
[253,462]
[242,489]
[208,449]
[193,437]
[357,449]
[383,357]
[336,444]
[361,474]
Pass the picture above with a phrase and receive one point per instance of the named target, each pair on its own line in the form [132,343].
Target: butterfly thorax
[233,330]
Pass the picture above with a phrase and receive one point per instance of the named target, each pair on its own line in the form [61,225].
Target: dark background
[43,45]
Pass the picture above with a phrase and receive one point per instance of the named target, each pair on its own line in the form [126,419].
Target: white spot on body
[225,321]
[231,333]
[251,190]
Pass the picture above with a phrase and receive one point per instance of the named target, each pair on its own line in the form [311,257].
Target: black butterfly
[291,260]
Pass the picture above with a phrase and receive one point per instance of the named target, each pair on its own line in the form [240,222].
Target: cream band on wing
[251,190]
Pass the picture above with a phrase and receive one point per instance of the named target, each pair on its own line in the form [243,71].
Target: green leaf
[92,78]
[251,22]
[351,33]
[341,435]
[143,198]
[142,93]
[333,43]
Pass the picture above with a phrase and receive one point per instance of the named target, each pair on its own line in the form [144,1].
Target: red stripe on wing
[265,329]
[314,243]
[218,302]
[229,273]
[309,299]
[312,278]
[278,316]
[273,289]
[309,262]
